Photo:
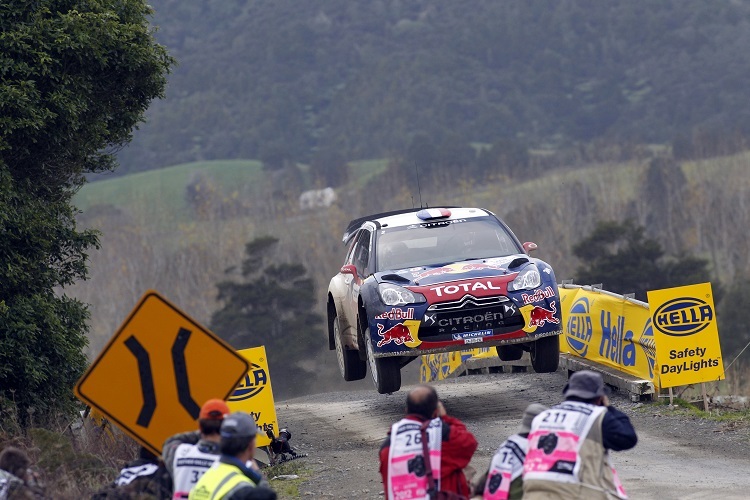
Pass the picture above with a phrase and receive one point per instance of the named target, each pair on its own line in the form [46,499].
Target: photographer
[503,479]
[568,454]
[450,446]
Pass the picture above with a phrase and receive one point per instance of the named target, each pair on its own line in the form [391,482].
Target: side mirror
[349,269]
[530,246]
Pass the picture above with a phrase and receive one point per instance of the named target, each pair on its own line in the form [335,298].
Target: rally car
[435,280]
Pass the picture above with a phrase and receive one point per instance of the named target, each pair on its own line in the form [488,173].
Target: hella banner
[608,329]
[687,338]
[434,367]
[254,395]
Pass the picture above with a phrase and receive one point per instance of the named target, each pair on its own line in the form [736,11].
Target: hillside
[362,77]
[151,240]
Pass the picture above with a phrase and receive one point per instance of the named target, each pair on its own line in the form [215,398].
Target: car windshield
[441,242]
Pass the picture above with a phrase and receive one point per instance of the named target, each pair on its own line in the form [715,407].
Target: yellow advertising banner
[687,337]
[436,367]
[609,330]
[254,394]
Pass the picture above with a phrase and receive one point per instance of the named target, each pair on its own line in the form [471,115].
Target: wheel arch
[331,313]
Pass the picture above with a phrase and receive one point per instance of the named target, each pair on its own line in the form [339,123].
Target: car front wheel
[386,372]
[545,354]
[351,367]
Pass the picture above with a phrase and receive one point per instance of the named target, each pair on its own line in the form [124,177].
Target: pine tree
[624,260]
[272,305]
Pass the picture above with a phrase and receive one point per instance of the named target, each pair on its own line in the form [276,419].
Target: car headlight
[394,295]
[527,279]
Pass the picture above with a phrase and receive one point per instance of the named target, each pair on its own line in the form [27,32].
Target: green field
[160,194]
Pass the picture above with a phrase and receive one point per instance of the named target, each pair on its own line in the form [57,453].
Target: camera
[495,482]
[547,443]
[416,466]
[281,444]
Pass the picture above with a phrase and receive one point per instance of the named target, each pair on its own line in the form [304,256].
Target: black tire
[350,366]
[511,352]
[545,354]
[386,372]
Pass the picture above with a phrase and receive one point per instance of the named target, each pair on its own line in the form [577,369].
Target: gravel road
[677,457]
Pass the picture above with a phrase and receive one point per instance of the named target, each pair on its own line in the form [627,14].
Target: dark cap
[585,384]
[528,416]
[238,424]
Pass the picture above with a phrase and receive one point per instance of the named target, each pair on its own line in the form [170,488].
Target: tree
[329,167]
[734,317]
[272,306]
[76,79]
[618,255]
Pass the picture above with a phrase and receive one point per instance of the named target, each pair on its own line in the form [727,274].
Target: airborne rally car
[424,281]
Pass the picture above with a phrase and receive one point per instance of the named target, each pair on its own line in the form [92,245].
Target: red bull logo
[538,295]
[397,314]
[435,272]
[478,266]
[399,334]
[540,315]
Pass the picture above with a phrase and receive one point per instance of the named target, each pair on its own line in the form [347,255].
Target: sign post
[686,335]
[157,370]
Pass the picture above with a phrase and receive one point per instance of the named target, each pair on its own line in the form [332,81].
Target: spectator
[16,479]
[568,455]
[235,476]
[450,444]
[189,455]
[144,476]
[503,479]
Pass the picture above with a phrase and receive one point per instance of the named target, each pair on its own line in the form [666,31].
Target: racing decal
[538,295]
[436,224]
[429,319]
[400,334]
[472,337]
[537,317]
[397,314]
[448,290]
[477,287]
[460,268]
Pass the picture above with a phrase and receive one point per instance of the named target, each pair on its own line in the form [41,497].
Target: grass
[733,418]
[361,172]
[288,488]
[138,193]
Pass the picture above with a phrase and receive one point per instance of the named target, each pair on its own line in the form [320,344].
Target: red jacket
[458,447]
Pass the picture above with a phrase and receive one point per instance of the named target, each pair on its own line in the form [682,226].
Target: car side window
[362,253]
[350,252]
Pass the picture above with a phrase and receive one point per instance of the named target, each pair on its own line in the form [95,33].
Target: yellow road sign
[157,370]
[686,335]
[254,395]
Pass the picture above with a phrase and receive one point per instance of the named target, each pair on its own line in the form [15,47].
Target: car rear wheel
[545,354]
[386,372]
[351,367]
[509,352]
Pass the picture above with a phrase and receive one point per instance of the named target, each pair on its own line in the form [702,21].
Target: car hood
[466,269]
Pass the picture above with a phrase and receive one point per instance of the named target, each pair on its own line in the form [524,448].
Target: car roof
[406,217]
